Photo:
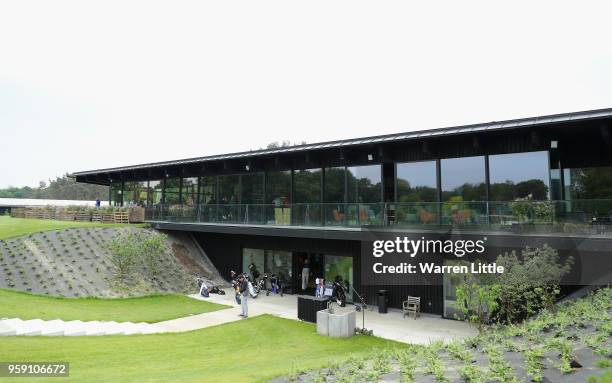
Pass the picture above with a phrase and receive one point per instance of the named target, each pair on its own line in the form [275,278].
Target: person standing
[244,291]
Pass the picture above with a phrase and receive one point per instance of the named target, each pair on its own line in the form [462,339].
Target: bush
[132,249]
[530,283]
[476,302]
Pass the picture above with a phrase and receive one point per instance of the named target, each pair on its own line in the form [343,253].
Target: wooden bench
[411,305]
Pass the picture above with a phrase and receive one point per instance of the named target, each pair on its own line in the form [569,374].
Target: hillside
[74,262]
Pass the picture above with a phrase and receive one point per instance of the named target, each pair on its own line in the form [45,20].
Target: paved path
[389,326]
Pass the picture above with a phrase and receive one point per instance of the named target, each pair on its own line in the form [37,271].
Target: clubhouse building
[516,183]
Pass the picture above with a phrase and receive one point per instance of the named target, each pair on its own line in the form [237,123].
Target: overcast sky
[86,85]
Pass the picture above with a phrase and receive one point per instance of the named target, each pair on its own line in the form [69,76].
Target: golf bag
[338,294]
[236,287]
[203,288]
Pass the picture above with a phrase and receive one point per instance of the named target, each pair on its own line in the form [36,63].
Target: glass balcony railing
[577,216]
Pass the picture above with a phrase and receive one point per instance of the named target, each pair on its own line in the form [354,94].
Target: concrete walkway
[391,326]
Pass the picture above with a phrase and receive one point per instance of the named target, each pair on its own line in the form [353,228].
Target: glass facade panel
[340,269]
[519,176]
[334,208]
[140,193]
[252,188]
[417,182]
[463,179]
[189,191]
[463,190]
[278,188]
[155,192]
[279,263]
[116,194]
[208,190]
[588,183]
[334,185]
[364,184]
[417,193]
[307,186]
[254,256]
[229,189]
[307,197]
[172,191]
[128,193]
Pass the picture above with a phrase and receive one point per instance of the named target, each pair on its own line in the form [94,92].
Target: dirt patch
[181,254]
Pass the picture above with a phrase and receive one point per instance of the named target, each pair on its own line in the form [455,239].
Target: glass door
[339,268]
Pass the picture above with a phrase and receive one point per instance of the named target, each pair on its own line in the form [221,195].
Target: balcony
[582,217]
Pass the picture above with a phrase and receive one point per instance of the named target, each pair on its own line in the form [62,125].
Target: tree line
[62,187]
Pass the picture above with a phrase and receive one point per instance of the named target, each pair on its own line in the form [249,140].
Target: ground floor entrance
[299,271]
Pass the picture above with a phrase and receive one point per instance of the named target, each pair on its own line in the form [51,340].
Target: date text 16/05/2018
[432,268]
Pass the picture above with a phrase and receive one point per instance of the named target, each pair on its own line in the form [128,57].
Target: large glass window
[279,263]
[340,269]
[229,189]
[116,193]
[140,193]
[519,176]
[278,188]
[134,193]
[155,192]
[307,197]
[463,179]
[364,195]
[252,188]
[588,192]
[128,193]
[588,183]
[189,191]
[416,182]
[463,191]
[417,193]
[334,209]
[307,186]
[255,257]
[208,190]
[334,185]
[364,184]
[172,191]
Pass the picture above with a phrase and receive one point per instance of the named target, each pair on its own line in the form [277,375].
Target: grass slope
[15,227]
[152,308]
[251,350]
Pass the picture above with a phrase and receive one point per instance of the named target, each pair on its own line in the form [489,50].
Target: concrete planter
[339,323]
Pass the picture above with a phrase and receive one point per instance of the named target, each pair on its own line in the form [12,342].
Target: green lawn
[15,227]
[153,308]
[251,350]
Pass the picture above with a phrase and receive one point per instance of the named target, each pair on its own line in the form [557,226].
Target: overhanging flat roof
[454,130]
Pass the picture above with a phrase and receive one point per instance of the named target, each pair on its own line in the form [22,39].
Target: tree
[63,187]
[124,253]
[137,250]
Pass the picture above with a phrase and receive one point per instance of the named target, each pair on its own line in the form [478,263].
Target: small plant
[565,350]
[533,360]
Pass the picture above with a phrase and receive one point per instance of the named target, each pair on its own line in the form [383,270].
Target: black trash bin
[383,299]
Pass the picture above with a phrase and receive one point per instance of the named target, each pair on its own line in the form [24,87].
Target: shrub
[476,302]
[530,283]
